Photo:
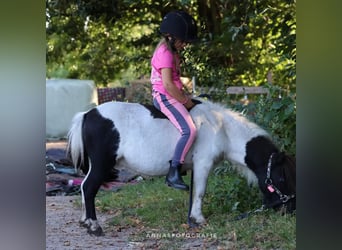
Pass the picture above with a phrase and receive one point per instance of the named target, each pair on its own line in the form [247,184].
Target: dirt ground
[63,231]
[62,226]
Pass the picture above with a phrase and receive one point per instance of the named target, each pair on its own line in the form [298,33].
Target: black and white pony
[138,137]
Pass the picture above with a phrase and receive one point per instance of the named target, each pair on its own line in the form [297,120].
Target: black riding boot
[174,179]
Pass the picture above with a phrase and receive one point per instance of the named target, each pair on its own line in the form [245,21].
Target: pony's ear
[278,158]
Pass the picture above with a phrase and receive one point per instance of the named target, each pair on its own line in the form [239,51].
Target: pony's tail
[75,148]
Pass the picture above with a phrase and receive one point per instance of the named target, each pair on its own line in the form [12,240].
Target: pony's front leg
[201,172]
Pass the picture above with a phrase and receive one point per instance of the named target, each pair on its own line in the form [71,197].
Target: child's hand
[189,104]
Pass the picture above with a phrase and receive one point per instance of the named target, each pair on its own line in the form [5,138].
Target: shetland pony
[116,135]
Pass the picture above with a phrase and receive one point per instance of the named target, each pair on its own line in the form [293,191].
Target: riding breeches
[181,119]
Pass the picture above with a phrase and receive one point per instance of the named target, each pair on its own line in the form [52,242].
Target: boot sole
[185,188]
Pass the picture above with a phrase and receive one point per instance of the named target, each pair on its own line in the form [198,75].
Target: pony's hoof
[97,232]
[83,224]
[193,224]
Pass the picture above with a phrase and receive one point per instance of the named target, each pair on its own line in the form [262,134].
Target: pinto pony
[138,137]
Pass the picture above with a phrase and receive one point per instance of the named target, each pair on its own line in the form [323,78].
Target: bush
[230,192]
[276,113]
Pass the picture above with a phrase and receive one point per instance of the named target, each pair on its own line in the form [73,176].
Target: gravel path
[64,232]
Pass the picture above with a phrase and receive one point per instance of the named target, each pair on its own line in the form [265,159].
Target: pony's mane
[213,105]
[210,111]
[229,116]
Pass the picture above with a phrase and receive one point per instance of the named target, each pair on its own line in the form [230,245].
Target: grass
[157,211]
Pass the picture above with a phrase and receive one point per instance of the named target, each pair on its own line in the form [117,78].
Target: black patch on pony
[102,139]
[157,114]
[258,151]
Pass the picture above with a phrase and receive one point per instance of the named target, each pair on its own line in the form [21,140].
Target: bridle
[272,188]
[283,198]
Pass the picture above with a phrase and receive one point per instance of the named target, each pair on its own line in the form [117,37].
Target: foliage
[241,42]
[276,113]
[87,40]
[231,191]
[255,41]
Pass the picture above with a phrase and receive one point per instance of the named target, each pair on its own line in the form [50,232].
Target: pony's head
[279,184]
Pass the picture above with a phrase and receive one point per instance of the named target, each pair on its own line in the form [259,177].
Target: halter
[283,197]
[271,188]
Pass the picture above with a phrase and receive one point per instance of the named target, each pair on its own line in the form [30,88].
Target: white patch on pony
[75,140]
[147,144]
[237,132]
[94,225]
[84,215]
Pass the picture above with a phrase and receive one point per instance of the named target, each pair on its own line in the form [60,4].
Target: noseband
[272,188]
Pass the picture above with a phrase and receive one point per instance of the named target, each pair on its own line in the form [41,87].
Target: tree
[247,43]
[241,42]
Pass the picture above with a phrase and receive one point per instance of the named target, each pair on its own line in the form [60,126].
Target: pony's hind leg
[100,171]
[89,188]
[101,141]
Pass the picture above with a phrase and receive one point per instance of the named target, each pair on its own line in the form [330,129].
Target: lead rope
[190,223]
[247,214]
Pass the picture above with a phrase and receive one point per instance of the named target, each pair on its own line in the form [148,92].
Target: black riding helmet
[180,25]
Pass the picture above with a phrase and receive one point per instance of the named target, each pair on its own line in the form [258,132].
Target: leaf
[276,105]
[289,110]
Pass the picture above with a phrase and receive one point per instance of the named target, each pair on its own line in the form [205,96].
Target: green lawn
[157,211]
